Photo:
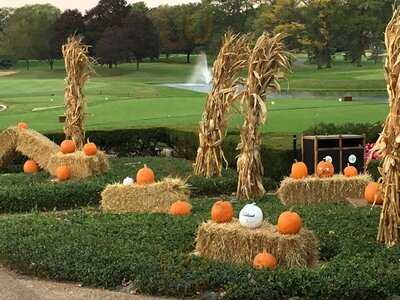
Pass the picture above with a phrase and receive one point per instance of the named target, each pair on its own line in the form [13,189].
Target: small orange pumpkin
[68,146]
[350,171]
[370,191]
[63,173]
[222,211]
[90,149]
[289,223]
[299,170]
[31,167]
[180,208]
[145,176]
[22,125]
[264,260]
[325,169]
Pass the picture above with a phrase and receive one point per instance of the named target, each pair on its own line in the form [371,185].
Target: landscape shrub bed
[153,253]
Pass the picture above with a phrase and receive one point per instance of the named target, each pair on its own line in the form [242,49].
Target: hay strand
[78,69]
[232,58]
[267,63]
[8,142]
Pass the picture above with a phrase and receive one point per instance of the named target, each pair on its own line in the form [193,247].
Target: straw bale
[8,141]
[36,146]
[232,243]
[152,198]
[311,190]
[81,165]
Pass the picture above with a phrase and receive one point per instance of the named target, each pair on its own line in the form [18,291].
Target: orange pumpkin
[264,260]
[63,173]
[90,149]
[68,146]
[289,223]
[222,211]
[31,167]
[325,169]
[145,176]
[299,170]
[22,125]
[370,191]
[350,171]
[180,208]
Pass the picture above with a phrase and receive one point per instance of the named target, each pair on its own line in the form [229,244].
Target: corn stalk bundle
[78,69]
[232,58]
[267,63]
[388,144]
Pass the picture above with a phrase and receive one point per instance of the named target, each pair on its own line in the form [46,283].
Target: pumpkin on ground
[370,191]
[222,211]
[264,260]
[22,125]
[289,223]
[67,146]
[127,181]
[145,176]
[31,167]
[350,171]
[63,173]
[251,216]
[180,208]
[90,149]
[299,170]
[325,169]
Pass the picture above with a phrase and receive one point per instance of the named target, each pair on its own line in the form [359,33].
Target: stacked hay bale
[8,141]
[150,198]
[230,242]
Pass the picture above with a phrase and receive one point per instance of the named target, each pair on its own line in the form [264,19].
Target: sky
[83,5]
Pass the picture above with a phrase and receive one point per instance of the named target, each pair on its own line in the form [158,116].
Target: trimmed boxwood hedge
[154,253]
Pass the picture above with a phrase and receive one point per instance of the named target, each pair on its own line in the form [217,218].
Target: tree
[140,7]
[5,13]
[112,48]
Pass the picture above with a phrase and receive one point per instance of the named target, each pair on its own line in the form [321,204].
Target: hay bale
[232,243]
[36,146]
[8,141]
[152,198]
[312,190]
[81,165]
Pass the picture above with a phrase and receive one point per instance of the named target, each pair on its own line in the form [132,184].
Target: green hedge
[154,253]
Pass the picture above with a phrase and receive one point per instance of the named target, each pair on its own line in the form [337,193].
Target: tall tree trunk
[110,65]
[27,64]
[51,63]
[188,58]
[137,64]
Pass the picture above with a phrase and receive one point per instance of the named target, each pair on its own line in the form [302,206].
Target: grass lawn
[125,98]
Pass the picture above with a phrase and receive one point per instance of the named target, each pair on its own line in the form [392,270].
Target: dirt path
[7,73]
[15,287]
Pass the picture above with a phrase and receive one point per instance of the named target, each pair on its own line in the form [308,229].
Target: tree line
[121,32]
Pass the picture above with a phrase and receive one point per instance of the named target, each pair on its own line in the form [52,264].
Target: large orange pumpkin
[90,149]
[63,173]
[222,211]
[264,260]
[325,169]
[370,191]
[299,170]
[68,146]
[180,208]
[350,171]
[31,167]
[289,223]
[145,176]
[22,125]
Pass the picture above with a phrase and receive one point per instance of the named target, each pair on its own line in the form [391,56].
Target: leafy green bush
[373,169]
[154,253]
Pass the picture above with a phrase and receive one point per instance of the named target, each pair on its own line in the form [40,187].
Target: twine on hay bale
[232,243]
[36,146]
[8,142]
[152,198]
[312,190]
[80,164]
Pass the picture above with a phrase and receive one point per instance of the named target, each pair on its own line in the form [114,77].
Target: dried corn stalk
[267,63]
[388,144]
[78,69]
[231,59]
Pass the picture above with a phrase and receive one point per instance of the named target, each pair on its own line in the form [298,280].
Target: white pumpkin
[251,216]
[127,181]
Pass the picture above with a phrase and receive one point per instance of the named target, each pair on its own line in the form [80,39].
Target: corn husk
[8,143]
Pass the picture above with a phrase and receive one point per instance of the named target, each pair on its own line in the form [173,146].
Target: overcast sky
[83,5]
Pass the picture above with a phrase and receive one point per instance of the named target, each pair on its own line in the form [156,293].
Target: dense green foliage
[153,252]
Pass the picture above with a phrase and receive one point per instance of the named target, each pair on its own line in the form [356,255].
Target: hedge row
[153,253]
